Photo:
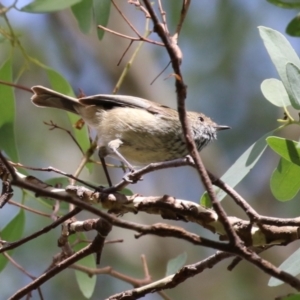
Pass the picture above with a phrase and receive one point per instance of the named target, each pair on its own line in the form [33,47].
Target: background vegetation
[224,63]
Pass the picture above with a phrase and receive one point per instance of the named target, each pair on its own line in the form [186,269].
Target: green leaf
[86,284]
[126,192]
[285,180]
[101,13]
[59,182]
[281,53]
[239,169]
[291,297]
[2,38]
[12,232]
[291,265]
[293,75]
[47,6]
[60,84]
[288,149]
[62,181]
[293,28]
[175,264]
[7,113]
[285,4]
[83,12]
[275,92]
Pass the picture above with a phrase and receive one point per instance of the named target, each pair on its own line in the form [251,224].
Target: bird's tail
[48,98]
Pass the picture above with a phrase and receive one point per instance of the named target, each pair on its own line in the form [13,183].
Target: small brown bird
[131,129]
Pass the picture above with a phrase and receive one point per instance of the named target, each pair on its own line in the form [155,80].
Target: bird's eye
[201,119]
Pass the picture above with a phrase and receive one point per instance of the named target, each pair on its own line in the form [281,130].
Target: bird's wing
[111,101]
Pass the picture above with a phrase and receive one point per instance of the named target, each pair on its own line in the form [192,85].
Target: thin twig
[139,6]
[163,16]
[12,245]
[18,86]
[126,50]
[163,230]
[130,37]
[126,19]
[175,279]
[165,68]
[96,246]
[29,209]
[19,267]
[53,126]
[181,95]
[184,10]
[51,169]
[130,62]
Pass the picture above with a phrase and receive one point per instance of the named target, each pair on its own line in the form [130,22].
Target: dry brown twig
[157,229]
[172,49]
[132,39]
[110,271]
[54,126]
[96,246]
[172,281]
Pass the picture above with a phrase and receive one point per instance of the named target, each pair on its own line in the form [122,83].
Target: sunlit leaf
[281,53]
[285,180]
[288,149]
[275,92]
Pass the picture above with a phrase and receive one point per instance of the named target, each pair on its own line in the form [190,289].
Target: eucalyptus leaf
[275,92]
[83,12]
[291,297]
[101,13]
[7,113]
[285,180]
[293,75]
[60,84]
[12,232]
[175,264]
[281,53]
[285,4]
[291,265]
[239,169]
[293,28]
[86,283]
[288,149]
[47,6]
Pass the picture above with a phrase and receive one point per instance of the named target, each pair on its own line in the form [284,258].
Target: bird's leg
[113,146]
[101,156]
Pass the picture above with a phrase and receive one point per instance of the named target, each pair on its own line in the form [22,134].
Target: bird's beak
[222,127]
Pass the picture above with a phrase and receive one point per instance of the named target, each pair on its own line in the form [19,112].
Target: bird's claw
[132,177]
